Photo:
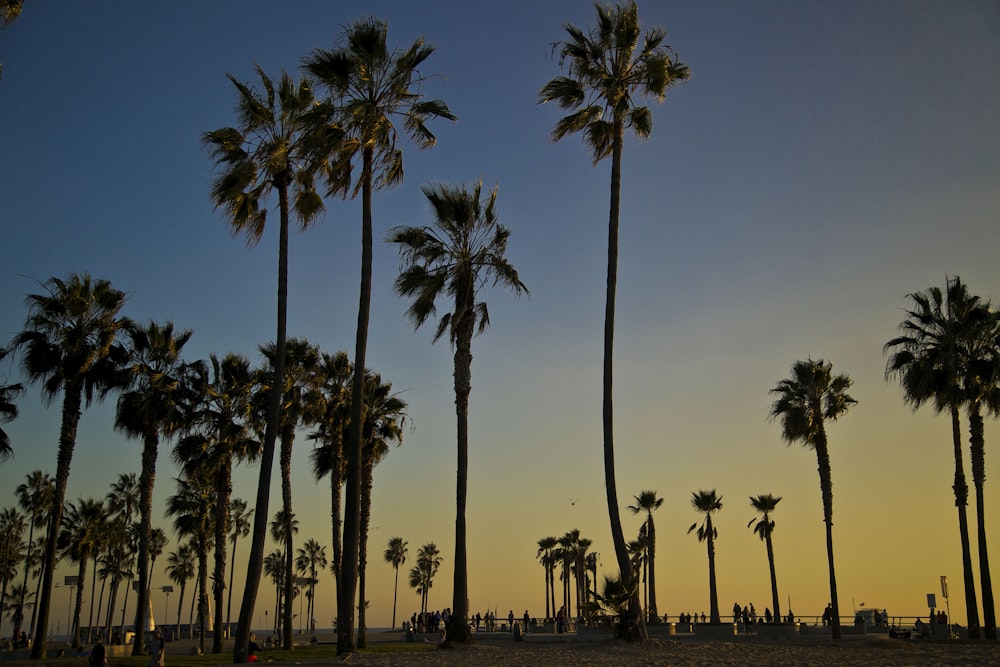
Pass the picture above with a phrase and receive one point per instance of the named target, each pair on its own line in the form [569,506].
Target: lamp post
[167,590]
[71,581]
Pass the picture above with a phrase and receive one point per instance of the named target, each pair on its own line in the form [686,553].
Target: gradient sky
[824,160]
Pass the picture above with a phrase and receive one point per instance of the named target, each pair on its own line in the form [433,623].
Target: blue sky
[824,160]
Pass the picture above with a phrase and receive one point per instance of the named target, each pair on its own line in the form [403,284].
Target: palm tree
[35,498]
[806,400]
[638,558]
[264,155]
[274,567]
[422,574]
[395,555]
[69,344]
[219,418]
[763,526]
[309,557]
[9,11]
[463,250]
[708,503]
[981,383]
[371,86]
[327,458]
[180,569]
[192,508]
[239,525]
[122,502]
[647,501]
[385,415]
[82,530]
[604,72]
[12,550]
[300,403]
[8,410]
[927,360]
[151,406]
[546,549]
[280,533]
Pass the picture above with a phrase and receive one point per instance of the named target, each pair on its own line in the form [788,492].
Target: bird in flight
[573,501]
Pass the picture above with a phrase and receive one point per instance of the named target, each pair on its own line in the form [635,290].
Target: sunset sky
[824,160]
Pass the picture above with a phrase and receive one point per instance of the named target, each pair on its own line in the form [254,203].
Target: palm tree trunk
[222,495]
[256,562]
[352,503]
[229,600]
[977,446]
[34,608]
[366,514]
[78,605]
[93,589]
[713,589]
[395,593]
[147,478]
[67,440]
[27,559]
[336,481]
[826,485]
[202,589]
[287,435]
[459,631]
[654,616]
[611,489]
[774,579]
[961,489]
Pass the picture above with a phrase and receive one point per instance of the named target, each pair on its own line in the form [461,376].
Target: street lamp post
[167,590]
[72,581]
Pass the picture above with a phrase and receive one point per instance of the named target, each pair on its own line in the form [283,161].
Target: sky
[824,161]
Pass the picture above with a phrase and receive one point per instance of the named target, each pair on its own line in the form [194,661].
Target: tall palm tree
[927,360]
[982,391]
[70,344]
[181,568]
[122,502]
[763,526]
[83,527]
[219,434]
[395,555]
[34,497]
[422,574]
[264,155]
[327,458]
[8,409]
[310,556]
[239,526]
[372,87]
[647,501]
[605,70]
[708,503]
[385,415]
[546,548]
[806,401]
[280,534]
[274,567]
[192,508]
[455,257]
[151,407]
[300,403]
